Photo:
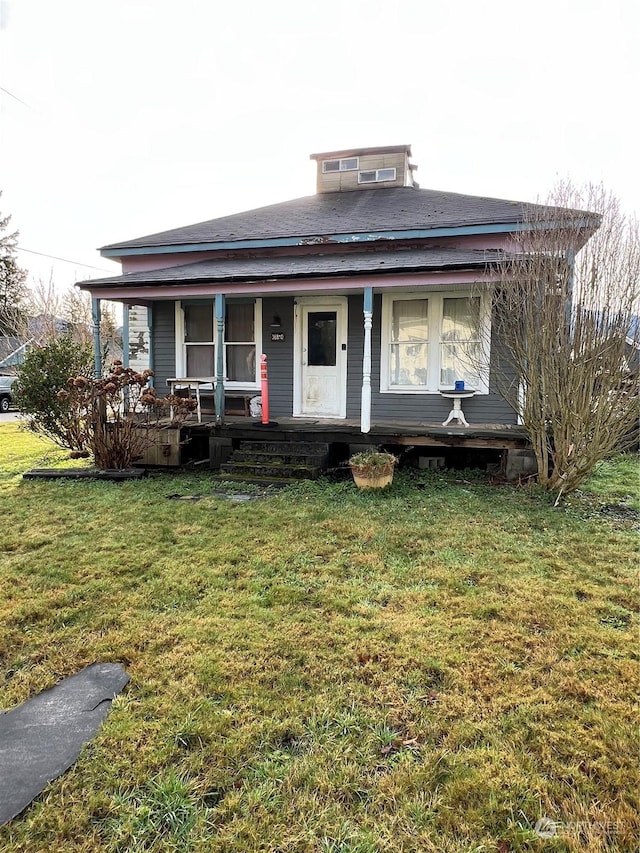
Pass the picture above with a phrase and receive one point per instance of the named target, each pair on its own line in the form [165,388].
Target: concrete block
[220,450]
[434,462]
[520,463]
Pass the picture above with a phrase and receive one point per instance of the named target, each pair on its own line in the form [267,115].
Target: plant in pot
[372,469]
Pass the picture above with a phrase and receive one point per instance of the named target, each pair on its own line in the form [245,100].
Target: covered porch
[371,348]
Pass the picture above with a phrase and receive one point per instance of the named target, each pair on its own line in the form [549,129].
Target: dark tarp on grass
[41,738]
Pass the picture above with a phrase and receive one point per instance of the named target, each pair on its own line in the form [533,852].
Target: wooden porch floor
[427,434]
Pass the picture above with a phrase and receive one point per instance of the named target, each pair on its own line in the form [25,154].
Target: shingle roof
[325,214]
[307,266]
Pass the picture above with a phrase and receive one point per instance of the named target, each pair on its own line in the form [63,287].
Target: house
[12,352]
[371,299]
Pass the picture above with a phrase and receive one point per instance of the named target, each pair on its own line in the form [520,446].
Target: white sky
[144,115]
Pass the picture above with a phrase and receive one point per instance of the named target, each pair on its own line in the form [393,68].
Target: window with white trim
[374,176]
[432,340]
[196,328]
[346,164]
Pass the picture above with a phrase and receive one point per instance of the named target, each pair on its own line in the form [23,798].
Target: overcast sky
[119,118]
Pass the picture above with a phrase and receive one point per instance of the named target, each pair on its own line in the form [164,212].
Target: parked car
[6,383]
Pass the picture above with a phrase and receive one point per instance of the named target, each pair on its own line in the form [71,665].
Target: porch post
[97,351]
[365,406]
[125,334]
[219,392]
[152,357]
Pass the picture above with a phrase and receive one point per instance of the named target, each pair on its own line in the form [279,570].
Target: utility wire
[64,260]
[15,97]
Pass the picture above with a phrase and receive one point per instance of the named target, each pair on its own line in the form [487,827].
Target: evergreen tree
[13,289]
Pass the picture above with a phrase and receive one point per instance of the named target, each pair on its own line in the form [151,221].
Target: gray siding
[355,352]
[164,344]
[279,354]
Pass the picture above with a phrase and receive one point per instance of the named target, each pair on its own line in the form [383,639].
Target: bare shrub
[118,416]
[565,310]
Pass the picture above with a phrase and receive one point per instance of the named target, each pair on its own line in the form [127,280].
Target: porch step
[299,447]
[272,470]
[255,481]
[272,462]
[283,457]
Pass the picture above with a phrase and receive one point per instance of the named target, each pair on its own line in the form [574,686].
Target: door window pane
[321,338]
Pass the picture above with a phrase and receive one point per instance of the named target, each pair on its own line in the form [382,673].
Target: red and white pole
[264,383]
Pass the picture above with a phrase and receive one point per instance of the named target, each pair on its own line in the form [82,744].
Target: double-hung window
[432,340]
[196,328]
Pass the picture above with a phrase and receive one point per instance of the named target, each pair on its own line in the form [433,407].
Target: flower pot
[372,470]
[372,481]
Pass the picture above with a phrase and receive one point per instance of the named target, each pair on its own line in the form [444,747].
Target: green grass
[430,668]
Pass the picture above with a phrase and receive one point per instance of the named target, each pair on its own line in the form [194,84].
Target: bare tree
[76,310]
[565,310]
[44,301]
[54,312]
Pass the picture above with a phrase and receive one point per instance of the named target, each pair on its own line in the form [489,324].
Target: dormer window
[347,164]
[374,176]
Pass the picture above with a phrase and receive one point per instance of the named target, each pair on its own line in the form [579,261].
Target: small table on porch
[180,382]
[457,413]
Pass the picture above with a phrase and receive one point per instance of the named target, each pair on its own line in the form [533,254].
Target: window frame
[435,306]
[377,179]
[342,167]
[182,344]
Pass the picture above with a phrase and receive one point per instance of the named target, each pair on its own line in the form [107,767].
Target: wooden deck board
[426,434]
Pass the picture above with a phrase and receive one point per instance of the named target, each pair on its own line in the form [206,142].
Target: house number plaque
[278,336]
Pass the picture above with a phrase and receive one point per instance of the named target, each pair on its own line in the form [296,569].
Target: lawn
[431,668]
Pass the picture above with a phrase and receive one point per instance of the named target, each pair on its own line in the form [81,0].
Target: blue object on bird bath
[459,385]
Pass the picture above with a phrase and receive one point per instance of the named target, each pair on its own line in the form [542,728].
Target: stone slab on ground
[84,474]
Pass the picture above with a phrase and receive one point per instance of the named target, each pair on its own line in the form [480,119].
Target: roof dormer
[364,169]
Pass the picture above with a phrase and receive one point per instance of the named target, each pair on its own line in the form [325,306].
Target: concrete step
[283,458]
[271,470]
[271,462]
[254,481]
[301,447]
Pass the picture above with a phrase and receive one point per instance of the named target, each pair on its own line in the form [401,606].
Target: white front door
[321,329]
